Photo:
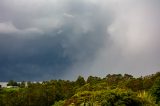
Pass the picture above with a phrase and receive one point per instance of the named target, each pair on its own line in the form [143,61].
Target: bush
[147,98]
[120,97]
[155,90]
[59,103]
[115,97]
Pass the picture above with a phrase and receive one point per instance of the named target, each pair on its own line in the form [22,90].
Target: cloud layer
[41,40]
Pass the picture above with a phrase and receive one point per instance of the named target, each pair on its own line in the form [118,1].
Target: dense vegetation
[113,90]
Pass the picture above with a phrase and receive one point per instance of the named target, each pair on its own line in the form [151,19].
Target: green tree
[155,90]
[135,84]
[80,81]
[12,83]
[22,84]
[113,80]
[127,76]
[93,80]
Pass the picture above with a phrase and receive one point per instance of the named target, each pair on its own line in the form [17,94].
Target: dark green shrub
[155,90]
[115,97]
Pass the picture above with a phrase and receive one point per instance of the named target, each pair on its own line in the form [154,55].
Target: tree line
[112,90]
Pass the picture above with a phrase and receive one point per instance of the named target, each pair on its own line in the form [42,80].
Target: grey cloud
[41,40]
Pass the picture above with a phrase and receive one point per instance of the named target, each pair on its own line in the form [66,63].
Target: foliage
[12,83]
[59,103]
[135,84]
[155,90]
[80,81]
[93,80]
[115,97]
[147,98]
[112,90]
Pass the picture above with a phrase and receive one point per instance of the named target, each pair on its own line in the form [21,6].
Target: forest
[112,90]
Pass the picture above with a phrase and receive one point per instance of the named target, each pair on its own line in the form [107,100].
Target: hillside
[112,90]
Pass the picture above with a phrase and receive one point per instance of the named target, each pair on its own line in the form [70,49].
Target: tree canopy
[112,90]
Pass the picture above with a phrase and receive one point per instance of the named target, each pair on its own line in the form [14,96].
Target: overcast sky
[52,39]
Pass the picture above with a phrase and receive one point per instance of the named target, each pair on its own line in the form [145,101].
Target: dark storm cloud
[42,40]
[44,46]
